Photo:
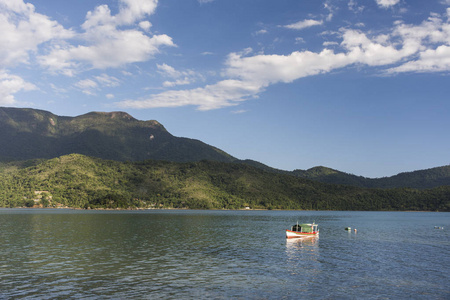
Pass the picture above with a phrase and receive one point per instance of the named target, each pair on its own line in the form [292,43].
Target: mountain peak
[30,133]
[111,115]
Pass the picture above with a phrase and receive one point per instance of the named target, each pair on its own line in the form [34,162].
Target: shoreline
[221,209]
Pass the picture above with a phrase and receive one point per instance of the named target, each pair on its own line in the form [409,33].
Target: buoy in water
[348,228]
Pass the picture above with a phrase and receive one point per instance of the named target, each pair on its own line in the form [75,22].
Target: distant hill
[85,182]
[422,179]
[30,133]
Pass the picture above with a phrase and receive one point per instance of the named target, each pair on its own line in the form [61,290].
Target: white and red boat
[303,230]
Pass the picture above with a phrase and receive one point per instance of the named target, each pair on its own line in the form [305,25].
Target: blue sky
[358,86]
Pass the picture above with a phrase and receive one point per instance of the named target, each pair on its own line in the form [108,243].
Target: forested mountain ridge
[31,133]
[421,179]
[79,181]
[36,134]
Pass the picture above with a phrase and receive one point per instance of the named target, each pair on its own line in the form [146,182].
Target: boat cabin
[307,228]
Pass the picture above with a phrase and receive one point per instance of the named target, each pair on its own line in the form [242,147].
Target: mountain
[422,179]
[36,134]
[30,133]
[79,181]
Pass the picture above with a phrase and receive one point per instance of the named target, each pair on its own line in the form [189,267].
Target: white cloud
[262,31]
[106,80]
[362,49]
[304,24]
[104,44]
[87,86]
[326,44]
[23,30]
[183,81]
[113,48]
[10,85]
[248,75]
[90,86]
[145,25]
[239,111]
[222,94]
[299,40]
[431,41]
[263,70]
[431,60]
[330,8]
[130,11]
[253,75]
[387,3]
[168,70]
[181,77]
[353,6]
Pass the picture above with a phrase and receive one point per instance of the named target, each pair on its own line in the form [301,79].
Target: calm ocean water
[180,254]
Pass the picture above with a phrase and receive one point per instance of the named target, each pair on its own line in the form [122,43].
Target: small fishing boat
[303,230]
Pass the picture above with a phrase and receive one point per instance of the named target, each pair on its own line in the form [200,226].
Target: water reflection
[302,242]
[217,255]
[303,264]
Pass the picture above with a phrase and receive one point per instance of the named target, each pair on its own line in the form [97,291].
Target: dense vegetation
[422,179]
[35,134]
[84,182]
[127,166]
[30,133]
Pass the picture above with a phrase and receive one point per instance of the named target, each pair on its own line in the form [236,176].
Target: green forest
[79,181]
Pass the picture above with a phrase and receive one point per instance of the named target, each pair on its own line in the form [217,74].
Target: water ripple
[221,255]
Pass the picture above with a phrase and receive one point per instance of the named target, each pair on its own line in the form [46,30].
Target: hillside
[30,133]
[27,134]
[85,182]
[422,179]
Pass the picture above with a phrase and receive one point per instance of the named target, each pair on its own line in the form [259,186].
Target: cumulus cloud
[264,70]
[330,9]
[179,77]
[304,24]
[105,43]
[10,85]
[387,3]
[130,11]
[222,94]
[353,6]
[90,86]
[431,40]
[145,25]
[87,86]
[262,31]
[168,71]
[251,76]
[414,48]
[431,60]
[23,30]
[106,80]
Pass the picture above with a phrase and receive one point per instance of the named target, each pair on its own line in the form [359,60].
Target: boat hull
[296,234]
